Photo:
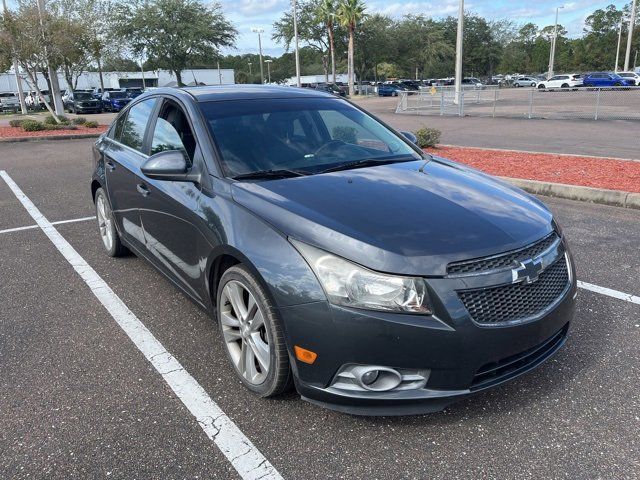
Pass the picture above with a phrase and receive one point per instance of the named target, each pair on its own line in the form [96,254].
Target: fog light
[369,377]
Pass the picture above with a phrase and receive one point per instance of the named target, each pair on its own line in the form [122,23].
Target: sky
[248,14]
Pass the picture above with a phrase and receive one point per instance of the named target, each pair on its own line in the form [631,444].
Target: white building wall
[90,80]
[340,77]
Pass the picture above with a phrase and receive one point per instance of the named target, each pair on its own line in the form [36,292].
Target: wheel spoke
[252,307]
[234,294]
[257,323]
[250,371]
[229,320]
[261,352]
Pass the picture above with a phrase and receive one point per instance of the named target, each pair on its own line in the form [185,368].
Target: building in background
[117,80]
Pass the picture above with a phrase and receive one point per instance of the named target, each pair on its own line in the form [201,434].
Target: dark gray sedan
[337,257]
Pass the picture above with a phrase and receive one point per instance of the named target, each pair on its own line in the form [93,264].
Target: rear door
[123,157]
[172,212]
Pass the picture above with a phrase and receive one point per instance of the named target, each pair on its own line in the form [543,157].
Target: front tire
[107,226]
[252,333]
[541,86]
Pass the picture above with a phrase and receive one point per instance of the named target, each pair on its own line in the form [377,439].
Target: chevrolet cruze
[338,258]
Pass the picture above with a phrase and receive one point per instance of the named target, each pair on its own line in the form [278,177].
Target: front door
[171,216]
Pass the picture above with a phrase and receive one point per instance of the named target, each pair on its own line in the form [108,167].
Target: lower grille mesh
[511,303]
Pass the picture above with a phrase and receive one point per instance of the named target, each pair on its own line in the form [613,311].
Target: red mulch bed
[585,171]
[17,132]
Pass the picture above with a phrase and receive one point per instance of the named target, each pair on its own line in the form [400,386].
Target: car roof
[242,92]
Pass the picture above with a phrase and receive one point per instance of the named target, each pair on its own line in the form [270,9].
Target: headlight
[351,285]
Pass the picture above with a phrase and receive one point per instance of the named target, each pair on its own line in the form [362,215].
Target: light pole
[632,20]
[619,41]
[249,67]
[552,54]
[259,31]
[268,62]
[295,34]
[219,73]
[459,40]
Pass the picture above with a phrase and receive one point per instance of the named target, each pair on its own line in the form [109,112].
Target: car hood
[394,218]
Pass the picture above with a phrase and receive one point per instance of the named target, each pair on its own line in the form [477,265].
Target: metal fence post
[461,109]
[442,101]
[531,103]
[597,104]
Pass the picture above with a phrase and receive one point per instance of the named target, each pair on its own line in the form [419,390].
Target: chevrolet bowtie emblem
[527,272]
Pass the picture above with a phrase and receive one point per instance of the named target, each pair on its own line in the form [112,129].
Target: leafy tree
[349,14]
[173,32]
[376,44]
[326,11]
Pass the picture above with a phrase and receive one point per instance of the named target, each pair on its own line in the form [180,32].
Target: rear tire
[252,334]
[541,86]
[565,85]
[107,226]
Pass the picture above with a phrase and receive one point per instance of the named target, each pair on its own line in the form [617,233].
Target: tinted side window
[165,137]
[135,124]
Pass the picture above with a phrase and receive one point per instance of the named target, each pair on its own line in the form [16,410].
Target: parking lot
[81,399]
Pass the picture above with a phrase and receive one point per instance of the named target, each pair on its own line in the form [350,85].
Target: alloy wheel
[104,222]
[245,334]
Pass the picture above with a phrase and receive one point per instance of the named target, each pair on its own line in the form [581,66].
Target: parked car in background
[82,102]
[389,90]
[330,88]
[472,82]
[525,82]
[113,101]
[607,79]
[410,85]
[98,92]
[9,102]
[570,80]
[133,92]
[631,76]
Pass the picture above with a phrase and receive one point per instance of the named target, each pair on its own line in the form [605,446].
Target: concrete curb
[51,137]
[616,198]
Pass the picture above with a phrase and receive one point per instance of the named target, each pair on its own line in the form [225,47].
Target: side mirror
[410,136]
[170,165]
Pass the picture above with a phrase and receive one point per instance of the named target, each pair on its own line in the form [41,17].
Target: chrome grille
[519,301]
[503,260]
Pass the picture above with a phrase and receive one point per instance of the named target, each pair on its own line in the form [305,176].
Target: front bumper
[462,356]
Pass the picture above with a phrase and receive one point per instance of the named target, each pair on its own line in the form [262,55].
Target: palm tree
[349,13]
[327,11]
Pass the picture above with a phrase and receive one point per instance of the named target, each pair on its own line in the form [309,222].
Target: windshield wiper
[279,173]
[367,162]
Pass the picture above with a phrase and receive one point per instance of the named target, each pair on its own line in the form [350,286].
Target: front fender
[263,249]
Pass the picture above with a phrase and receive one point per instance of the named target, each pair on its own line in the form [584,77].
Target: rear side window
[135,124]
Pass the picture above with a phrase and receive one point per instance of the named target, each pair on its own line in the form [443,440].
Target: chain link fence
[616,103]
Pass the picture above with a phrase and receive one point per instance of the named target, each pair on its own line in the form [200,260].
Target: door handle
[143,190]
[110,165]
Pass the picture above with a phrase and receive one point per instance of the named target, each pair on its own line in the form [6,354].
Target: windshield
[117,94]
[82,96]
[299,134]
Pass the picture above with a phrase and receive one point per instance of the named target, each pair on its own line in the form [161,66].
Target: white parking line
[243,455]
[627,297]
[59,222]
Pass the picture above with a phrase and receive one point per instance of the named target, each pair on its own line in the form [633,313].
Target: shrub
[428,137]
[79,121]
[32,126]
[15,123]
[60,126]
[49,120]
[91,124]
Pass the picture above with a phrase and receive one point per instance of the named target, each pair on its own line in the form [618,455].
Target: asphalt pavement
[79,400]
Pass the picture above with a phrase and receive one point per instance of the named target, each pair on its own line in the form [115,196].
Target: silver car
[9,102]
